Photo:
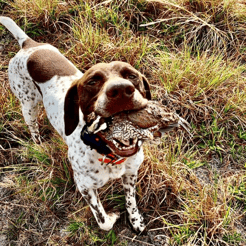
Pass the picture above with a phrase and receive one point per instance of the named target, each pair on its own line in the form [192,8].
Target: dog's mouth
[125,138]
[121,135]
[121,147]
[125,132]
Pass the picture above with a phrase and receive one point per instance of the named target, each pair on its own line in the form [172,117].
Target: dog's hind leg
[30,113]
[29,96]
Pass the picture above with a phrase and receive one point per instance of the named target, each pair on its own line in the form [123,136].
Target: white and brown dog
[39,72]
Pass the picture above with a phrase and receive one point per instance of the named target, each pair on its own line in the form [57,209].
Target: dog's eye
[131,76]
[92,82]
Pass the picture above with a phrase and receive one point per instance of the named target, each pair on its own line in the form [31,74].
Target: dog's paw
[109,221]
[137,223]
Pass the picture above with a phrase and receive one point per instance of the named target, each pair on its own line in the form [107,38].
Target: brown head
[106,89]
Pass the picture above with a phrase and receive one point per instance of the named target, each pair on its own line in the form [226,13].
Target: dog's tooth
[115,143]
[140,142]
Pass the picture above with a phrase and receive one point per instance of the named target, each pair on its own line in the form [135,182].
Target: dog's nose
[120,89]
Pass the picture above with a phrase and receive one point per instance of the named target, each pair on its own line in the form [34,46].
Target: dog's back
[39,72]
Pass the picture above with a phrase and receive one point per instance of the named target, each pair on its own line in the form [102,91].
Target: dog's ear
[146,87]
[71,109]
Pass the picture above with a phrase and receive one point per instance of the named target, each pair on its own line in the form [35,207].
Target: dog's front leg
[135,217]
[105,221]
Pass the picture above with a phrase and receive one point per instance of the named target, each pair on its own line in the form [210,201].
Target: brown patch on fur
[29,43]
[44,64]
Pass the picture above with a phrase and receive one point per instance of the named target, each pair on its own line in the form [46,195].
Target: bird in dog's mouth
[125,132]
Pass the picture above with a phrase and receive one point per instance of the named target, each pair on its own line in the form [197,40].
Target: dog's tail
[14,29]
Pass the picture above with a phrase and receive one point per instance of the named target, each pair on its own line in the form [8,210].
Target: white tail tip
[17,32]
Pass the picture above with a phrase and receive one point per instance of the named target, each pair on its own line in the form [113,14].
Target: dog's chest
[89,167]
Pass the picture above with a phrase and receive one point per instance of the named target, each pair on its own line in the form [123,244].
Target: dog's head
[105,89]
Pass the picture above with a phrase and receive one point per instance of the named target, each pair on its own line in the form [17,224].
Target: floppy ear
[146,87]
[71,110]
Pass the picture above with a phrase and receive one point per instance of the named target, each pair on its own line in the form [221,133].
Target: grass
[191,190]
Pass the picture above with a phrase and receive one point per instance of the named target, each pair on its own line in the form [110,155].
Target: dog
[39,72]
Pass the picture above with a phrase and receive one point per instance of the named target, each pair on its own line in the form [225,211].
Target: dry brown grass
[210,25]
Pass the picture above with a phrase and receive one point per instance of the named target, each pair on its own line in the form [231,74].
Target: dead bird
[128,128]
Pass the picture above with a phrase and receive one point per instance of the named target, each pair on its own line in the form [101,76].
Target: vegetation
[191,190]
